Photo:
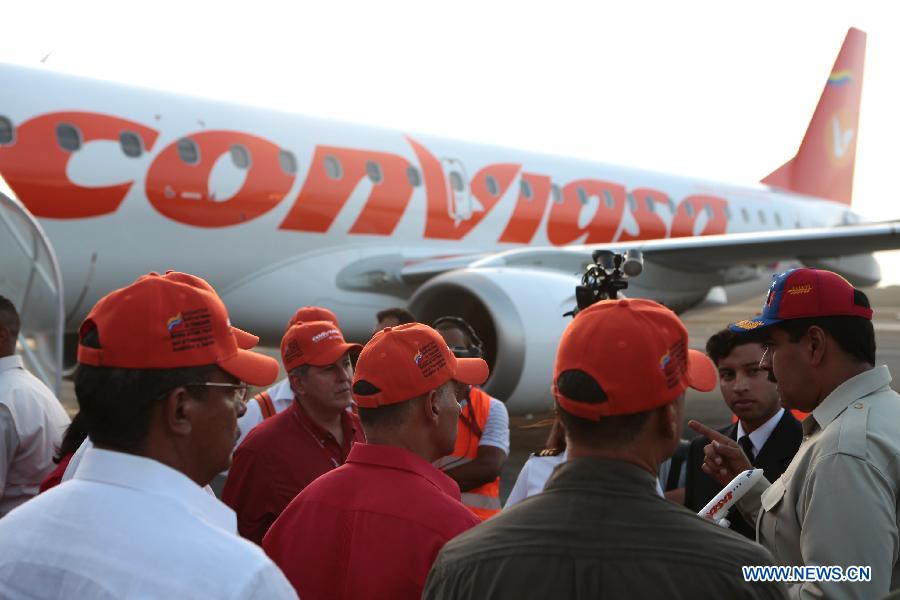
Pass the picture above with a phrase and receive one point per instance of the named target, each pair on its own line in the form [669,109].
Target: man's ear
[817,344]
[297,384]
[178,411]
[668,420]
[431,410]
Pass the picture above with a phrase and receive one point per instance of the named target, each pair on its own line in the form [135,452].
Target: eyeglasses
[239,390]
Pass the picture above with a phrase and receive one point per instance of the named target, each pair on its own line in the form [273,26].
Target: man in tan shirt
[836,504]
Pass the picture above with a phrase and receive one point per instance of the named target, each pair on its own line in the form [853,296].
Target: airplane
[279,210]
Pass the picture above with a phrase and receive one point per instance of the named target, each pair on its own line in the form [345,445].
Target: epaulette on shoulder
[549,452]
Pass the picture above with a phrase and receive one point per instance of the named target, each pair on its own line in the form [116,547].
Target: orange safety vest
[484,501]
[265,405]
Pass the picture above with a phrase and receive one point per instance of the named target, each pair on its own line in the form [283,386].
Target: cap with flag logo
[408,361]
[166,322]
[636,351]
[316,343]
[803,293]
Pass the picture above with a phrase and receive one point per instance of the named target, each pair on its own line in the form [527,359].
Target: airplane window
[631,202]
[708,210]
[6,131]
[651,205]
[582,195]
[762,217]
[689,209]
[727,213]
[131,144]
[415,179]
[778,219]
[493,188]
[456,181]
[745,214]
[288,162]
[373,171]
[240,157]
[333,167]
[671,205]
[525,189]
[557,194]
[68,137]
[188,151]
[610,201]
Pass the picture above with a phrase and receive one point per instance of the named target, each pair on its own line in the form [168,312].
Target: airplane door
[459,197]
[30,278]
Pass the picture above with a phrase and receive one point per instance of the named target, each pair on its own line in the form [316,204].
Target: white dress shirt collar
[11,362]
[153,477]
[760,435]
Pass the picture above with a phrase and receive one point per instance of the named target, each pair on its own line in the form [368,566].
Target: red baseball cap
[167,322]
[803,293]
[408,361]
[313,313]
[245,339]
[637,352]
[316,343]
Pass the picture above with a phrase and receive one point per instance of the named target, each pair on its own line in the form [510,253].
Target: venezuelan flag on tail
[824,164]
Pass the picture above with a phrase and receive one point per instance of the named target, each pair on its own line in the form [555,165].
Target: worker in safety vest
[482,439]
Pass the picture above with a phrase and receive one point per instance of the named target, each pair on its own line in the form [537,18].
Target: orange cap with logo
[408,361]
[166,322]
[245,339]
[316,343]
[313,313]
[637,352]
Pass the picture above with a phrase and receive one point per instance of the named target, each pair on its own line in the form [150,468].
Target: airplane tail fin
[823,166]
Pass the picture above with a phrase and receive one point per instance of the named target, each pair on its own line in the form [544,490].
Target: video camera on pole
[606,277]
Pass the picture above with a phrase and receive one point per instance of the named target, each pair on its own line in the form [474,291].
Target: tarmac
[526,437]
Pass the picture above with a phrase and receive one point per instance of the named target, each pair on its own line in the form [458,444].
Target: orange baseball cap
[637,351]
[245,339]
[316,343]
[410,360]
[313,313]
[168,322]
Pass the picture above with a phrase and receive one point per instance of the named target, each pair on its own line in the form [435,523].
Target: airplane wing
[701,253]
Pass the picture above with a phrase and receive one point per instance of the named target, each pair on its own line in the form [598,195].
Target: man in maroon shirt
[283,454]
[373,527]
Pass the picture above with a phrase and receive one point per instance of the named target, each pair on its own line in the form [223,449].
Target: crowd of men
[373,471]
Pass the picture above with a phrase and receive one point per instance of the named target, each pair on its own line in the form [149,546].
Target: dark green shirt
[599,529]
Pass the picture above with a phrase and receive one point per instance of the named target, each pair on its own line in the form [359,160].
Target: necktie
[747,446]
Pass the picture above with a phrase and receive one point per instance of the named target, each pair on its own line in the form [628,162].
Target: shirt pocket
[767,523]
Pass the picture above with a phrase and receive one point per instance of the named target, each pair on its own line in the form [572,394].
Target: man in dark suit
[769,434]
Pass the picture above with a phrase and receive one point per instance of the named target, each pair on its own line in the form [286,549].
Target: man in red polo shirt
[283,454]
[373,527]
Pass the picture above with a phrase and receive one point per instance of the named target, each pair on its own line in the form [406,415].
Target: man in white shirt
[32,421]
[160,383]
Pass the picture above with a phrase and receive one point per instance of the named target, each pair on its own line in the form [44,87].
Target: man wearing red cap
[600,529]
[372,528]
[283,454]
[836,504]
[279,395]
[160,384]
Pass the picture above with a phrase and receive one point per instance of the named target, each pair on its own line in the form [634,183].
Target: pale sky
[712,89]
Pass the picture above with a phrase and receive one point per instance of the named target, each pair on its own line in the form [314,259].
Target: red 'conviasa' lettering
[529,210]
[333,175]
[650,225]
[690,209]
[439,222]
[180,190]
[563,227]
[35,165]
